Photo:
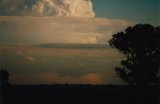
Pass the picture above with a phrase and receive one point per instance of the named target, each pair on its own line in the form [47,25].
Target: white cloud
[38,30]
[70,8]
[38,8]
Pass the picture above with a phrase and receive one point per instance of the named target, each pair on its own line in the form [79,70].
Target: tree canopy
[141,46]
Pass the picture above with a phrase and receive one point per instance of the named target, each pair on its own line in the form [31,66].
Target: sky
[75,34]
[139,11]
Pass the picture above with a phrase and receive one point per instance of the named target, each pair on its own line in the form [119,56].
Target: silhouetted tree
[141,46]
[4,77]
[4,86]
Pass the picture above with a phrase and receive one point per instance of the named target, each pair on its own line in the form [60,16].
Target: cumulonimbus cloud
[54,21]
[38,30]
[69,8]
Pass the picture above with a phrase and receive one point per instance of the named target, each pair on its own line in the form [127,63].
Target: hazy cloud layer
[38,30]
[34,65]
[71,8]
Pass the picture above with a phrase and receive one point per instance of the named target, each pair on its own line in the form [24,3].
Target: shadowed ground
[82,94]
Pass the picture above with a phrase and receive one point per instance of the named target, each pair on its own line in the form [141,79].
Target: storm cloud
[38,30]
[30,28]
[69,8]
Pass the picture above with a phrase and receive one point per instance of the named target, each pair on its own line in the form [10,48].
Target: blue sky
[140,11]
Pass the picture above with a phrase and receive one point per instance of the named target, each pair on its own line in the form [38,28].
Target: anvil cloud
[37,30]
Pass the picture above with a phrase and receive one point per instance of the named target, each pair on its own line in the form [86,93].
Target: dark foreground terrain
[81,94]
